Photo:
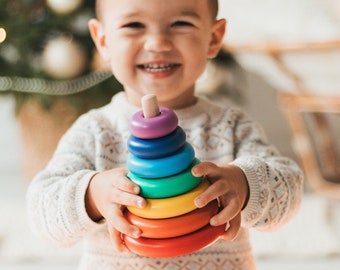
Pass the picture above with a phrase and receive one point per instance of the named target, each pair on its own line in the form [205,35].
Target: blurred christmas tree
[48,63]
[46,52]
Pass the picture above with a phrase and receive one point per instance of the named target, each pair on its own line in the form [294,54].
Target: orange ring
[176,226]
[177,246]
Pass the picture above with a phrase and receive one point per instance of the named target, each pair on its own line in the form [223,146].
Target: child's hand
[107,195]
[230,186]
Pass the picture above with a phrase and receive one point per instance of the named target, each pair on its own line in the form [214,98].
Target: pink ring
[177,246]
[155,127]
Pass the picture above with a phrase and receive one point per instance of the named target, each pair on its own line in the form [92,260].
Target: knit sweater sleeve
[275,182]
[55,197]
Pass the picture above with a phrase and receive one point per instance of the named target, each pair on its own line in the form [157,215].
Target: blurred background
[280,62]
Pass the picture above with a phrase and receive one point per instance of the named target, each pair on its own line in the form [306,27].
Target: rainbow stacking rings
[156,127]
[170,207]
[164,166]
[160,163]
[158,147]
[177,246]
[169,186]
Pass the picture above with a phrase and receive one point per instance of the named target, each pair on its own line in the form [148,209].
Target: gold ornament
[64,6]
[64,58]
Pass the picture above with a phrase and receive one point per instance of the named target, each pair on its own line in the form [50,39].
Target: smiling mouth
[158,67]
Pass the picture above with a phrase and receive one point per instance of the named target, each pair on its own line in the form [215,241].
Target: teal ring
[159,147]
[167,187]
[162,167]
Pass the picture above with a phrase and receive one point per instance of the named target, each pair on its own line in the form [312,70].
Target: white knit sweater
[97,142]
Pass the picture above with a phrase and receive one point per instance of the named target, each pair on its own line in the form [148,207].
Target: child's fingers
[205,169]
[232,229]
[118,225]
[226,214]
[213,192]
[124,184]
[212,173]
[125,198]
[116,240]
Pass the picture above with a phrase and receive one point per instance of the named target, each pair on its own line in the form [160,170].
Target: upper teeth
[156,67]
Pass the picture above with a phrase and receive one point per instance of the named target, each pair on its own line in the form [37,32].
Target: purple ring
[155,127]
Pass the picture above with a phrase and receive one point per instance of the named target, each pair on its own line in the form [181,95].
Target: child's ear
[99,38]
[217,38]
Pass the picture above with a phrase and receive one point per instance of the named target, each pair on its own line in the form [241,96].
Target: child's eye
[183,23]
[133,25]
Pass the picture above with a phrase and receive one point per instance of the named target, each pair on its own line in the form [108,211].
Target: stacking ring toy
[167,187]
[162,167]
[159,147]
[155,127]
[176,226]
[177,246]
[170,207]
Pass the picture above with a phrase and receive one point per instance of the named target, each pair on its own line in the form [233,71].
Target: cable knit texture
[97,142]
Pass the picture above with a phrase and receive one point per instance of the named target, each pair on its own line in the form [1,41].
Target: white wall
[10,145]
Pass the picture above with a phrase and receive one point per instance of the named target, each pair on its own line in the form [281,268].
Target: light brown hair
[213,5]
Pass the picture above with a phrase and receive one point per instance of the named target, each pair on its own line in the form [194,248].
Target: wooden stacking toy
[160,163]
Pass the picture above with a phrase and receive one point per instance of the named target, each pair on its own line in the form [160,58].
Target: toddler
[161,47]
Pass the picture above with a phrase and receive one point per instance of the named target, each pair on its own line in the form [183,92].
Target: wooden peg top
[150,106]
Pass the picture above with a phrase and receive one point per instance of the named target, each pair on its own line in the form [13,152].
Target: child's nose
[158,43]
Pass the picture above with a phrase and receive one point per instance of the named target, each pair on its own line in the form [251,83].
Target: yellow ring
[170,207]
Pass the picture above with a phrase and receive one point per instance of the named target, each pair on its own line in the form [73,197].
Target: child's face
[157,46]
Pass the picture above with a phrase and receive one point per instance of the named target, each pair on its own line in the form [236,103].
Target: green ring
[168,186]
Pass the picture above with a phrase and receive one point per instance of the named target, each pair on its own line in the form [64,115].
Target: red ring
[177,246]
[155,127]
[176,226]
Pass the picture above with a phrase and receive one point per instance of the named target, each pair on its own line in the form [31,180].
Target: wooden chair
[314,118]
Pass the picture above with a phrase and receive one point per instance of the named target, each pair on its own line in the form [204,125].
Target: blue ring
[162,167]
[169,186]
[156,148]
